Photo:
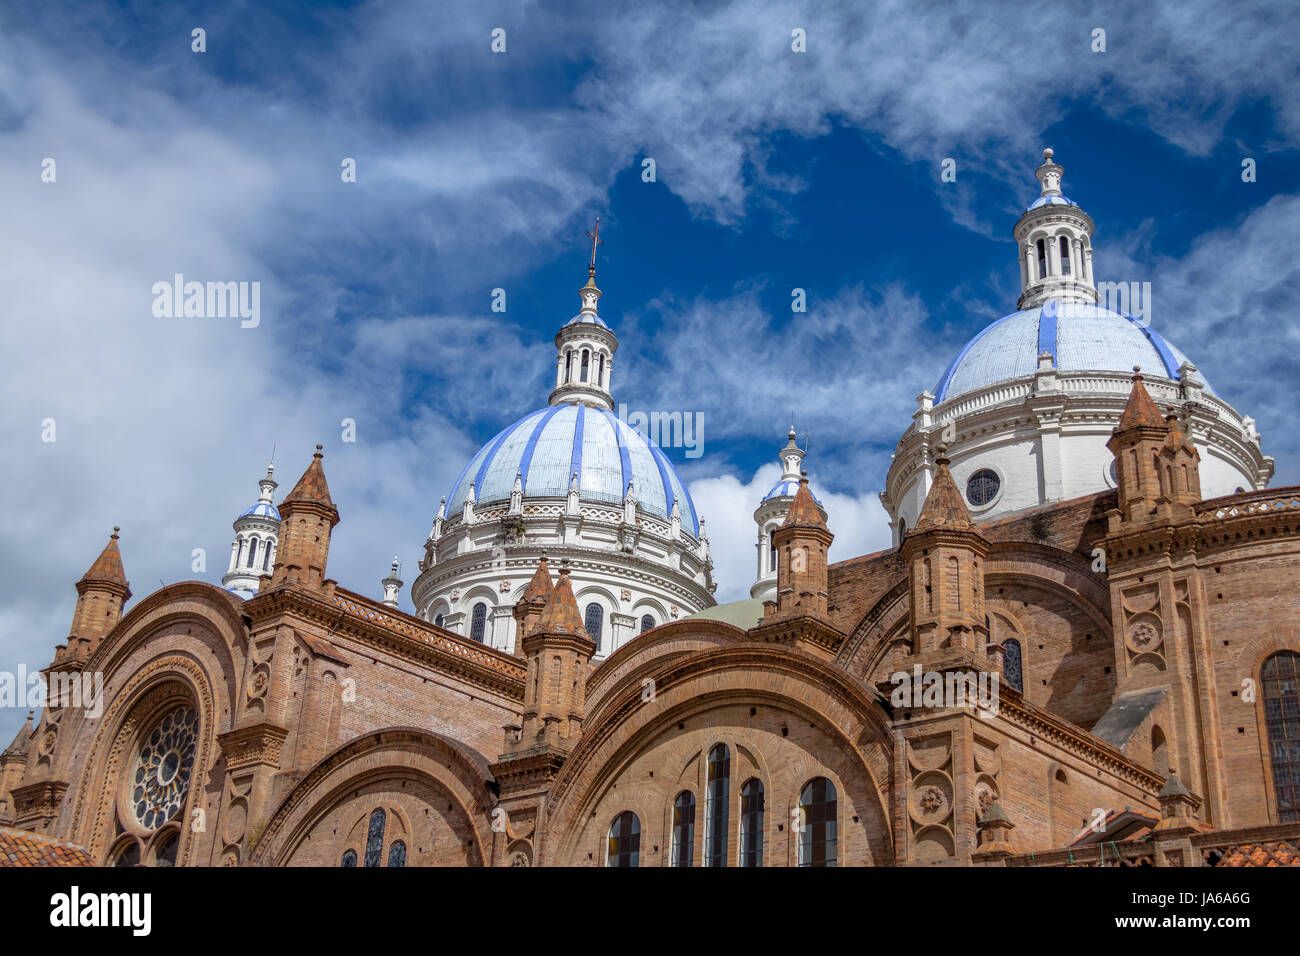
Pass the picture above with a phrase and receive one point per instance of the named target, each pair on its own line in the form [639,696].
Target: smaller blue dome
[1051,201]
[583,319]
[261,510]
[786,489]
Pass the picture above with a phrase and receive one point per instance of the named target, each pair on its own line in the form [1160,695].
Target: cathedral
[1082,647]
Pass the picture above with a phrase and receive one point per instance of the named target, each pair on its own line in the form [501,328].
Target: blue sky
[478,170]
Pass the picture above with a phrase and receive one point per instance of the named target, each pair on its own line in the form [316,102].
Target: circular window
[982,487]
[163,767]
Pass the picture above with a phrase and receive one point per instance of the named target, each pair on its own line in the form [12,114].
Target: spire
[804,512]
[1140,409]
[257,532]
[539,587]
[19,746]
[944,507]
[1055,245]
[561,615]
[107,568]
[392,585]
[585,347]
[312,487]
[791,458]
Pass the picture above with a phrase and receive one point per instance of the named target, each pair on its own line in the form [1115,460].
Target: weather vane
[594,236]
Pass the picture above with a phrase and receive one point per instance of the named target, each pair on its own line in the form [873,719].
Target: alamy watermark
[211,300]
[953,689]
[29,691]
[668,429]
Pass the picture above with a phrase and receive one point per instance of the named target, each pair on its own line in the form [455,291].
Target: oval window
[982,487]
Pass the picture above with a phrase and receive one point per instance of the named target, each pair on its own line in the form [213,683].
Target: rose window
[163,768]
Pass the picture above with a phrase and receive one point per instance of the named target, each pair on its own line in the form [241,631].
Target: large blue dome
[550,444]
[1080,338]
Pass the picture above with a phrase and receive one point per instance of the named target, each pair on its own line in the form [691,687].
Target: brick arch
[642,656]
[868,642]
[794,687]
[1060,572]
[386,757]
[164,683]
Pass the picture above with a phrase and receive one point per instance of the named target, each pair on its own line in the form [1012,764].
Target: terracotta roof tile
[539,588]
[561,616]
[803,511]
[1140,409]
[311,487]
[21,848]
[107,568]
[944,507]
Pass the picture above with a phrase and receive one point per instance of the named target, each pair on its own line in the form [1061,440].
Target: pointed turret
[101,593]
[945,559]
[1180,464]
[1055,239]
[392,585]
[13,764]
[528,609]
[308,517]
[1136,445]
[559,652]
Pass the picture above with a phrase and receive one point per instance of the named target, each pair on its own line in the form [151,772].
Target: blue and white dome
[785,488]
[549,445]
[1051,201]
[1079,337]
[262,509]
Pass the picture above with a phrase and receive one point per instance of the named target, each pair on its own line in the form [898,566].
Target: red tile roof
[1140,409]
[22,848]
[311,487]
[107,568]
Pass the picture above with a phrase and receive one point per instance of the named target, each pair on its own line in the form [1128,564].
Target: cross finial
[594,236]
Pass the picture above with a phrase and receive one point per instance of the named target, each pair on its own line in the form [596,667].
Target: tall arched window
[1159,752]
[773,552]
[266,557]
[375,838]
[717,806]
[684,829]
[593,619]
[1013,669]
[600,369]
[397,854]
[1042,258]
[349,858]
[1281,680]
[478,622]
[252,552]
[624,840]
[751,823]
[568,366]
[818,813]
[1065,256]
[647,622]
[586,363]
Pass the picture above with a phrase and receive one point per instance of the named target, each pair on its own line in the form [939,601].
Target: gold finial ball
[1048,153]
[1136,369]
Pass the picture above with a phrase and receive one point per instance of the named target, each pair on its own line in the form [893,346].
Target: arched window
[165,853]
[252,552]
[437,620]
[751,823]
[717,806]
[624,840]
[818,813]
[593,618]
[568,366]
[647,622]
[129,855]
[478,622]
[375,838]
[773,553]
[982,487]
[1281,680]
[1065,256]
[397,854]
[586,362]
[684,829]
[1042,258]
[349,858]
[1013,668]
[600,369]
[266,557]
